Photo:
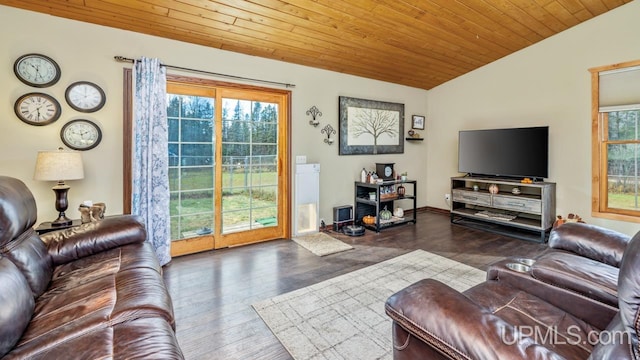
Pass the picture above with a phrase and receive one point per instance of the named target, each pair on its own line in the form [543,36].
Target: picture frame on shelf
[417,122]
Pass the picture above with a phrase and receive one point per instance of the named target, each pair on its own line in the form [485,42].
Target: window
[616,141]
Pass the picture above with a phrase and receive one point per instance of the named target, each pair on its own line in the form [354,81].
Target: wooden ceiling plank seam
[461,37]
[359,61]
[394,25]
[596,7]
[113,20]
[375,60]
[562,14]
[612,4]
[141,6]
[489,18]
[543,15]
[406,30]
[572,6]
[256,13]
[401,51]
[190,8]
[583,15]
[445,62]
[485,29]
[509,9]
[409,50]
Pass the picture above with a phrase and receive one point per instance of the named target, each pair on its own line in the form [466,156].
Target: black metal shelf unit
[365,206]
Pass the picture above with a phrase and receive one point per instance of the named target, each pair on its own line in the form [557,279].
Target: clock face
[37,70]
[85,96]
[387,171]
[81,134]
[37,109]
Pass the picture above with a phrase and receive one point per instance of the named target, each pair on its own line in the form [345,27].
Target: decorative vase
[400,190]
[493,189]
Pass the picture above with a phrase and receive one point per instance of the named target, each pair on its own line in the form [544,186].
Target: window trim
[599,200]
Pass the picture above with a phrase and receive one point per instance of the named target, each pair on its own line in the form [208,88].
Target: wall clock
[37,70]
[385,171]
[81,134]
[37,109]
[85,96]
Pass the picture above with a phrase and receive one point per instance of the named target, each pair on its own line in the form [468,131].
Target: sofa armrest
[94,237]
[456,327]
[590,241]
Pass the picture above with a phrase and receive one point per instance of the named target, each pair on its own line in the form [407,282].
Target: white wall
[85,52]
[544,84]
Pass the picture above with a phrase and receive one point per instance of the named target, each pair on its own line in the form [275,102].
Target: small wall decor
[328,130]
[370,127]
[314,112]
[417,122]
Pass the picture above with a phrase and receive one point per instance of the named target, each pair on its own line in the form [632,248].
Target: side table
[46,227]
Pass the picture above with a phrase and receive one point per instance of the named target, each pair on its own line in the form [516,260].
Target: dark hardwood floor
[212,292]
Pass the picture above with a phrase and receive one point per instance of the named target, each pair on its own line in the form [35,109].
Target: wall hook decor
[314,112]
[328,130]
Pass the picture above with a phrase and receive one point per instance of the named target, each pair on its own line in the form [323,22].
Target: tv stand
[522,215]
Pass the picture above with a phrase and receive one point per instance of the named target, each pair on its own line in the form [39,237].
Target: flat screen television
[510,153]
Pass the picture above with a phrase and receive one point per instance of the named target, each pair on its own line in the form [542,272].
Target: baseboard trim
[434,210]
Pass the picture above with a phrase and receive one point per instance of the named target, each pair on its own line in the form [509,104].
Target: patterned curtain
[150,195]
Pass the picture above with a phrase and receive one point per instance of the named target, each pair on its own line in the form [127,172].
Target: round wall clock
[37,70]
[37,109]
[85,96]
[81,134]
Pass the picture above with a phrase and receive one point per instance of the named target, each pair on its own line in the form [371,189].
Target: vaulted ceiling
[419,43]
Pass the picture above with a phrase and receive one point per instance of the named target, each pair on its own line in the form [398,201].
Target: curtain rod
[124,59]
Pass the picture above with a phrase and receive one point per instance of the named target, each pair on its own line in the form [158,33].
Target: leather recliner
[90,292]
[501,319]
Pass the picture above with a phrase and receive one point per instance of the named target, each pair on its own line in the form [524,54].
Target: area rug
[344,318]
[321,244]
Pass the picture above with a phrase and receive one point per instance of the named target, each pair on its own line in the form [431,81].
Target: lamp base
[62,220]
[61,204]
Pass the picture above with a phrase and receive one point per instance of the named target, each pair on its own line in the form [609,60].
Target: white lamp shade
[59,165]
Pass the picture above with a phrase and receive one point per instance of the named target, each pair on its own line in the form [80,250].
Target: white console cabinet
[532,210]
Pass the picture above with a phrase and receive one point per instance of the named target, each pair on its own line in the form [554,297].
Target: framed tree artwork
[370,127]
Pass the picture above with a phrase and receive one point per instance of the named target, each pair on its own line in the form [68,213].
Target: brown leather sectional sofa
[91,292]
[578,300]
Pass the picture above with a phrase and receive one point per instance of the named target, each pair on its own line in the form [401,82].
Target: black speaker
[342,215]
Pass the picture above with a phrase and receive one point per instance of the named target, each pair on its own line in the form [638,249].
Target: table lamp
[59,165]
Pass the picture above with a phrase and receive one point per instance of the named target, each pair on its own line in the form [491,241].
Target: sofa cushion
[16,305]
[547,325]
[149,338]
[591,241]
[18,241]
[584,276]
[30,255]
[111,287]
[17,209]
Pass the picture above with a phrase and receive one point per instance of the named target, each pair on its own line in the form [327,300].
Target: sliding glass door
[228,166]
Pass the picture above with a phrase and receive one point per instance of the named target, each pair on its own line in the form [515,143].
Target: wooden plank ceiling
[419,43]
